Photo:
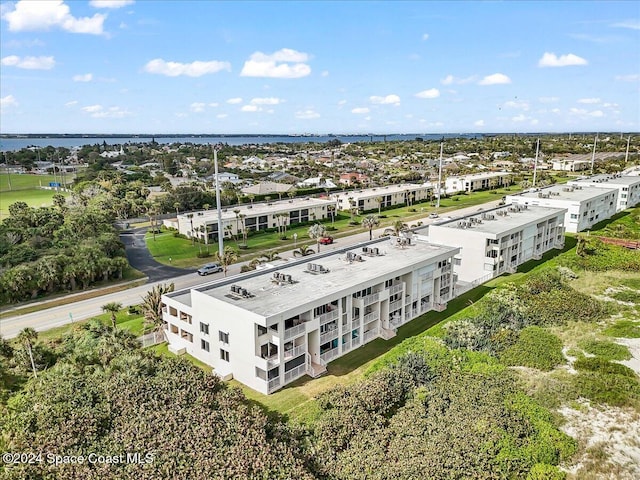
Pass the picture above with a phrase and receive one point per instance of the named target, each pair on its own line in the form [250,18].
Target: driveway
[140,258]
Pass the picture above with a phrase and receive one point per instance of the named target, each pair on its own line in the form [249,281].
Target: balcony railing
[425,306]
[329,355]
[370,317]
[369,299]
[273,384]
[393,306]
[394,322]
[346,345]
[327,336]
[355,323]
[445,269]
[294,352]
[329,316]
[395,288]
[371,334]
[355,342]
[294,331]
[295,373]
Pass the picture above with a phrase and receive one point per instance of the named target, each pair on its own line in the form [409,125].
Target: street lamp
[220,232]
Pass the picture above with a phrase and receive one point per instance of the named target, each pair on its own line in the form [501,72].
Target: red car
[325,241]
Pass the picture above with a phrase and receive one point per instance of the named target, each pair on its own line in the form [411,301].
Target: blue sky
[319,67]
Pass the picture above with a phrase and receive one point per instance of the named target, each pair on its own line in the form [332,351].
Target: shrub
[535,348]
[605,350]
[543,471]
[623,329]
[600,365]
[203,254]
[617,390]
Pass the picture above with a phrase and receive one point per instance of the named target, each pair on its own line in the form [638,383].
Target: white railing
[327,317]
[355,323]
[294,352]
[294,331]
[355,342]
[328,355]
[295,373]
[395,321]
[393,306]
[395,288]
[330,335]
[425,307]
[346,345]
[272,360]
[445,269]
[369,299]
[370,317]
[407,314]
[370,335]
[273,384]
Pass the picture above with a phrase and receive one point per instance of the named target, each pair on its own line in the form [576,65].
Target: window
[204,345]
[204,328]
[223,337]
[260,373]
[457,261]
[224,355]
[574,216]
[261,330]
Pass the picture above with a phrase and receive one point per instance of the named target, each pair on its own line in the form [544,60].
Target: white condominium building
[496,241]
[258,216]
[388,196]
[628,187]
[477,181]
[269,327]
[585,206]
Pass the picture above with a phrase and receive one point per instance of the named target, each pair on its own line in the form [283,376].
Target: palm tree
[27,338]
[370,222]
[268,257]
[152,306]
[227,257]
[317,231]
[399,227]
[190,217]
[331,210]
[379,202]
[303,251]
[112,308]
[176,205]
[244,229]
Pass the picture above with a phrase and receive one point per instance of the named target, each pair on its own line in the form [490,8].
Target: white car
[433,215]
[210,268]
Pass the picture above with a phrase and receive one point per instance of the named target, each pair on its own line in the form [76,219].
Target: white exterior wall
[391,195]
[583,211]
[389,300]
[478,181]
[628,188]
[486,254]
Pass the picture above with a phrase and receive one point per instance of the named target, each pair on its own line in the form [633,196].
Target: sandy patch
[633,344]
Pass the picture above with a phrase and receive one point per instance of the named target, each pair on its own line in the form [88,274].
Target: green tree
[27,338]
[303,251]
[113,308]
[227,257]
[152,306]
[370,222]
[317,231]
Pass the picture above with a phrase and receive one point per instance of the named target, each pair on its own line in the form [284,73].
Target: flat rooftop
[611,179]
[566,193]
[262,208]
[379,191]
[475,176]
[269,298]
[498,221]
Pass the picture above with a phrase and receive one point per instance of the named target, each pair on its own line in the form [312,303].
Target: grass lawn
[26,181]
[32,197]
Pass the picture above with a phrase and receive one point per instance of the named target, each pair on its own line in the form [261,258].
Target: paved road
[140,258]
[83,309]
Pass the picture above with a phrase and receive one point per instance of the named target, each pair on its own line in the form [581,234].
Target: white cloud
[450,80]
[633,24]
[478,123]
[388,100]
[8,101]
[431,93]
[555,110]
[250,108]
[581,112]
[214,104]
[519,118]
[325,73]
[197,107]
[548,99]
[266,101]
[110,3]
[360,110]
[285,63]
[92,108]
[32,15]
[596,113]
[516,104]
[29,63]
[222,115]
[307,114]
[87,77]
[634,77]
[568,60]
[425,36]
[495,79]
[111,112]
[193,69]
[589,100]
[234,101]
[342,102]
[71,103]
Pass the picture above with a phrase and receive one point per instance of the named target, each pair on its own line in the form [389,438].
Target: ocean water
[13,144]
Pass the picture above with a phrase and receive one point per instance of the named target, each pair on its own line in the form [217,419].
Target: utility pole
[218,206]
[535,165]
[626,155]
[440,176]
[593,155]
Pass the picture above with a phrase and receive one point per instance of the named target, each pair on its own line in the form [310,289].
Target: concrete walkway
[84,309]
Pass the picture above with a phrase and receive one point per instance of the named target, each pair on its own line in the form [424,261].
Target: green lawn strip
[27,181]
[32,197]
[623,329]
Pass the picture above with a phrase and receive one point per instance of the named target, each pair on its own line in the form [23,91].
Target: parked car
[210,268]
[433,215]
[325,241]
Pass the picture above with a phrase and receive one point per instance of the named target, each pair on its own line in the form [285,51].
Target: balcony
[329,316]
[395,322]
[370,335]
[273,384]
[395,288]
[355,323]
[355,342]
[294,331]
[369,299]
[440,307]
[370,317]
[328,336]
[393,306]
[445,269]
[329,355]
[295,373]
[346,346]
[294,352]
